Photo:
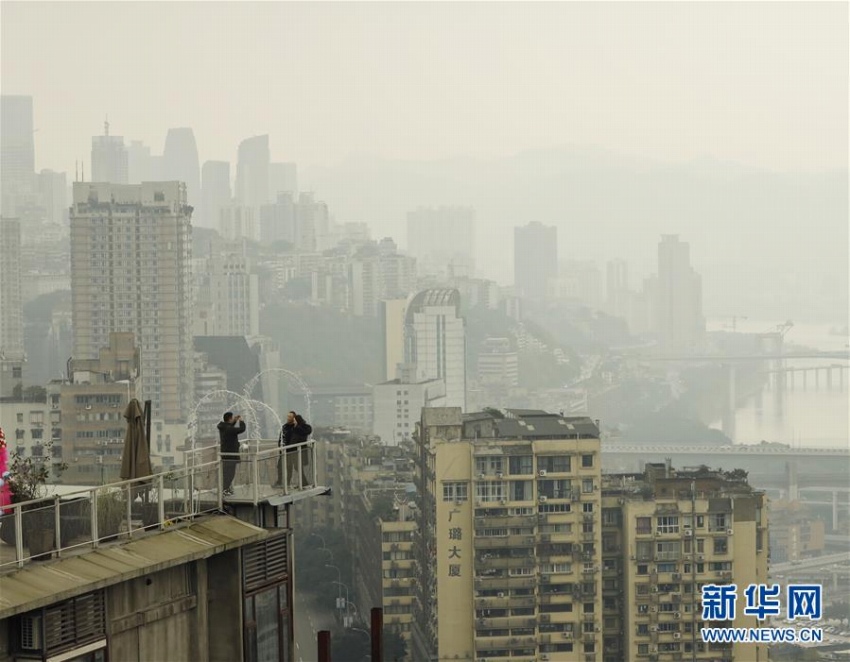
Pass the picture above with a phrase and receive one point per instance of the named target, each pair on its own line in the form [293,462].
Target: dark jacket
[228,435]
[295,433]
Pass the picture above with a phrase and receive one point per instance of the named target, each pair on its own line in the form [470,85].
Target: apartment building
[665,534]
[92,405]
[796,532]
[508,537]
[131,271]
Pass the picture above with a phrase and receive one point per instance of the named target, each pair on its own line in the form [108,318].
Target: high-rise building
[397,405]
[535,259]
[312,224]
[435,342]
[11,304]
[617,293]
[283,178]
[578,281]
[140,164]
[509,536]
[277,220]
[226,297]
[53,192]
[498,364]
[679,322]
[252,173]
[215,191]
[131,249]
[517,520]
[443,240]
[392,313]
[237,222]
[376,273]
[17,151]
[180,162]
[109,160]
[665,534]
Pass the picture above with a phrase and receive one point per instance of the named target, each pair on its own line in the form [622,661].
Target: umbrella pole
[147,417]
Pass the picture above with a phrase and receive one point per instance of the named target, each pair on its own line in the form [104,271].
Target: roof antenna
[106,126]
[76,171]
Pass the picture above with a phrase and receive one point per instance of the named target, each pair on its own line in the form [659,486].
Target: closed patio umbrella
[136,459]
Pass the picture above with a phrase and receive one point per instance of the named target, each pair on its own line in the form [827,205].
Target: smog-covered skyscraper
[535,259]
[680,324]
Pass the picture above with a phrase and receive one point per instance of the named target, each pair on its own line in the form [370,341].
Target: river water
[803,416]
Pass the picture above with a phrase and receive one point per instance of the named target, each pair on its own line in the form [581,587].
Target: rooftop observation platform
[73,520]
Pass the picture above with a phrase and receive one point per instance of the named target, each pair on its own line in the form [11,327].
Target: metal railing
[59,525]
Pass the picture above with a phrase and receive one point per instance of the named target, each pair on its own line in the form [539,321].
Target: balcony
[59,526]
[498,643]
[504,562]
[503,542]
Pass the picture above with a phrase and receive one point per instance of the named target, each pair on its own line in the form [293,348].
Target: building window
[643,525]
[643,550]
[455,491]
[520,465]
[553,463]
[667,524]
[721,545]
[668,550]
[587,485]
[718,522]
[587,461]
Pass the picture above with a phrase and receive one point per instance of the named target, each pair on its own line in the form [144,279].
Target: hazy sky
[764,84]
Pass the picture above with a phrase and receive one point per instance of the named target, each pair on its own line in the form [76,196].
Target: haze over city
[668,109]
[475,331]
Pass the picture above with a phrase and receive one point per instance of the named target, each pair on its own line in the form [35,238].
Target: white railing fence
[55,525]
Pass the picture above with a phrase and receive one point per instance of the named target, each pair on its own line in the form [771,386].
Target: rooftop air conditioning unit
[688,533]
[677,635]
[700,558]
[30,633]
[542,499]
[542,473]
[678,614]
